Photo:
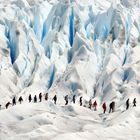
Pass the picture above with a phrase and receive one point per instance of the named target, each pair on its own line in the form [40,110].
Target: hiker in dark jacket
[40,97]
[81,101]
[55,99]
[66,99]
[112,107]
[134,102]
[7,105]
[20,99]
[30,98]
[73,98]
[46,96]
[127,104]
[0,107]
[35,99]
[104,107]
[14,101]
[90,103]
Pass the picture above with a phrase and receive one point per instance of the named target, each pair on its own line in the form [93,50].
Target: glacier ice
[87,48]
[71,27]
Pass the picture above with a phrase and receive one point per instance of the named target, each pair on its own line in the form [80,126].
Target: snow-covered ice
[86,48]
[48,121]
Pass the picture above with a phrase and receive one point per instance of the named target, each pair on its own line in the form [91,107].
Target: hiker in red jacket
[104,107]
[95,105]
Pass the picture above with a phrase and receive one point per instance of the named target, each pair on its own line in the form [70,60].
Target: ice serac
[52,76]
[79,74]
[56,19]
[71,27]
[105,21]
[41,14]
[12,38]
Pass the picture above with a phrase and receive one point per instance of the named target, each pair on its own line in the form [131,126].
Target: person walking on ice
[7,105]
[46,96]
[20,99]
[90,103]
[127,104]
[134,102]
[95,105]
[104,107]
[35,99]
[40,97]
[55,99]
[14,101]
[30,98]
[66,99]
[73,99]
[112,107]
[81,102]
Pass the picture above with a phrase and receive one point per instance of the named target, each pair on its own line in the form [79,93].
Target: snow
[69,47]
[48,121]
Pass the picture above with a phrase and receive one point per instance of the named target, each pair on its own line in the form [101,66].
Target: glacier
[86,48]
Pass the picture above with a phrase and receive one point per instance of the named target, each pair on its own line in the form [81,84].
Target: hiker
[40,97]
[112,107]
[35,99]
[0,107]
[7,105]
[46,96]
[134,102]
[30,98]
[55,99]
[95,105]
[127,103]
[104,107]
[73,98]
[20,99]
[90,103]
[66,99]
[81,101]
[14,101]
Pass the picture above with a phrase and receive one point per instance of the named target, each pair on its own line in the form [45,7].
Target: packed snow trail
[48,121]
[76,45]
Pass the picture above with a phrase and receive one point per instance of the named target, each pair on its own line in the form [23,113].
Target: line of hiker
[30,98]
[66,98]
[94,104]
[127,103]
